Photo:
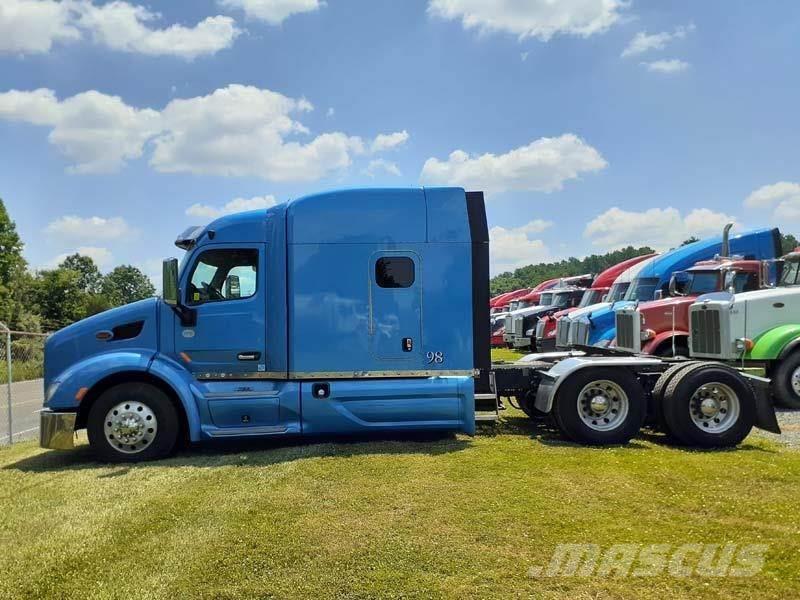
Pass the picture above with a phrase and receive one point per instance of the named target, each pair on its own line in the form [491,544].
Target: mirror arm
[188,316]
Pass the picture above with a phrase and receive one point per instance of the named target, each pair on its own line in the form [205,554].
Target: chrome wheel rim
[795,379]
[603,405]
[714,407]
[130,427]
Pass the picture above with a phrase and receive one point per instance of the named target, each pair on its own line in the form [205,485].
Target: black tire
[661,384]
[157,406]
[678,409]
[782,388]
[569,417]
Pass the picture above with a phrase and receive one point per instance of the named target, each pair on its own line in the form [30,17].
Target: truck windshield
[562,300]
[618,291]
[791,273]
[702,282]
[642,289]
[591,297]
[546,299]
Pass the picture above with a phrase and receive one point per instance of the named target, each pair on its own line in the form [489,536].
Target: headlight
[647,334]
[529,333]
[743,344]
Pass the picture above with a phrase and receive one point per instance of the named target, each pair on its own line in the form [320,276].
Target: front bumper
[57,429]
[521,342]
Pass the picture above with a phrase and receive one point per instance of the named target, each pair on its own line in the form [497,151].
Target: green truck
[758,329]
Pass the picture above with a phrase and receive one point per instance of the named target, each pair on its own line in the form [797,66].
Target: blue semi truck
[597,326]
[324,315]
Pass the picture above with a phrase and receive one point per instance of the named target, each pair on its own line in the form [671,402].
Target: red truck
[546,327]
[501,305]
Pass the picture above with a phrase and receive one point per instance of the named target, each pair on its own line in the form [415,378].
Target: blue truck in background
[324,315]
[596,326]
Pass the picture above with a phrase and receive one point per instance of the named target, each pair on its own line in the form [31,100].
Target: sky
[590,124]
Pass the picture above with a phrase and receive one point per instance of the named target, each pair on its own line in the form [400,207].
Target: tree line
[49,299]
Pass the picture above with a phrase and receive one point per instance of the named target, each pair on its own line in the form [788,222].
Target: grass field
[434,517]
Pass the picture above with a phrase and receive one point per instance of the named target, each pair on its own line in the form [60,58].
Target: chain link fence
[21,385]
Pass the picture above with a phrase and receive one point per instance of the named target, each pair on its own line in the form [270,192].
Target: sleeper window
[394,272]
[223,275]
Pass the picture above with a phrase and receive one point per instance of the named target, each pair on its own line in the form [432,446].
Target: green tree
[126,284]
[13,274]
[90,280]
[59,297]
[788,243]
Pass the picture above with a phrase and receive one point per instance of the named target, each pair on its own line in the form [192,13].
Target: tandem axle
[601,397]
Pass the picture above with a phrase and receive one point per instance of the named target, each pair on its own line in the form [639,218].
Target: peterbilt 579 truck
[598,326]
[661,327]
[759,329]
[601,286]
[322,316]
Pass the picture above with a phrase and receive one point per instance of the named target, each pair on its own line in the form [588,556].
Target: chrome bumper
[57,429]
[521,342]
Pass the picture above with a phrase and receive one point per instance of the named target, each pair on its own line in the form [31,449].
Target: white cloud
[643,42]
[389,141]
[543,165]
[234,131]
[330,112]
[122,26]
[89,229]
[541,19]
[234,206]
[96,131]
[672,65]
[380,166]
[33,26]
[783,196]
[242,130]
[658,228]
[511,249]
[273,12]
[102,257]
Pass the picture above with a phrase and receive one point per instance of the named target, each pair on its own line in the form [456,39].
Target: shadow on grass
[254,452]
[659,438]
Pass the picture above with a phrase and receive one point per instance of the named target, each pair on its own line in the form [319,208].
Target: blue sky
[590,124]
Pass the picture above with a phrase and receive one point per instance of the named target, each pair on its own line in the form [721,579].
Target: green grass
[504,354]
[443,517]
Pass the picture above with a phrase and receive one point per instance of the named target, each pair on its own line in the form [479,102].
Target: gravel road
[789,420]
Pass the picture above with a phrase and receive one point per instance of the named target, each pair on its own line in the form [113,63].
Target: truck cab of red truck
[661,327]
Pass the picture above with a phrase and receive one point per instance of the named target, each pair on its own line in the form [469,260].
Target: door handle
[248,356]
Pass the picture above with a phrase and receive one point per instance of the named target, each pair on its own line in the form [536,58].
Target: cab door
[396,306]
[224,285]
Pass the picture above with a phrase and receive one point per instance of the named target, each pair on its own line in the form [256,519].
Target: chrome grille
[518,326]
[540,329]
[628,335]
[579,333]
[508,322]
[706,335]
[562,333]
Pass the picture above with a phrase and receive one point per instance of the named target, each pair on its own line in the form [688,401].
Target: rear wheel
[709,405]
[132,422]
[600,406]
[786,381]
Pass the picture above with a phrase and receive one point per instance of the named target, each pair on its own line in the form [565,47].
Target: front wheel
[786,381]
[600,406]
[132,422]
[710,406]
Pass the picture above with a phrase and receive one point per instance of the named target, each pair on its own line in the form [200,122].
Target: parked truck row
[323,315]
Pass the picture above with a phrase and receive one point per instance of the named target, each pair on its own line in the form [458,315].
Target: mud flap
[766,418]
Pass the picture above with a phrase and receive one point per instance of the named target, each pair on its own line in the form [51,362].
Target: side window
[745,282]
[223,275]
[394,272]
